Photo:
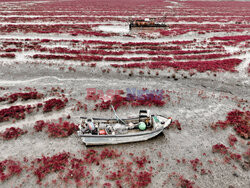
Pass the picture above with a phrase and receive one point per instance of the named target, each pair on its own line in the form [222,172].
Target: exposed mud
[196,100]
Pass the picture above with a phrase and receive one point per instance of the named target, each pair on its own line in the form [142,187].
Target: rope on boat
[117,117]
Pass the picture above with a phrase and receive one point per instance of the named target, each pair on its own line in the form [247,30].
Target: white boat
[118,131]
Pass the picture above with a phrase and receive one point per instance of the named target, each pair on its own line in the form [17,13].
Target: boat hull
[117,139]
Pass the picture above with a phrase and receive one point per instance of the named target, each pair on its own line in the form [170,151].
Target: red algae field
[62,59]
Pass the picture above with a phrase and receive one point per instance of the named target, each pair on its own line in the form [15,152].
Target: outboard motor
[89,127]
[90,124]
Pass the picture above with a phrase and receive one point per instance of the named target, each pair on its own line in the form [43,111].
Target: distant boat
[101,131]
[147,22]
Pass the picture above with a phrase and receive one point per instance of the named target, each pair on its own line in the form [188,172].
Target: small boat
[101,131]
[147,22]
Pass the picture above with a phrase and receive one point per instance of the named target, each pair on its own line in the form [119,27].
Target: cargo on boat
[147,22]
[101,131]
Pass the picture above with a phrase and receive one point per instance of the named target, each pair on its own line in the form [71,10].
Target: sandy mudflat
[195,100]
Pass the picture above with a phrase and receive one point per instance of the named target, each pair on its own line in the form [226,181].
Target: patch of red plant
[107,153]
[183,182]
[59,130]
[24,96]
[47,165]
[142,179]
[232,140]
[175,124]
[39,125]
[12,132]
[9,168]
[141,161]
[56,104]
[220,148]
[195,163]
[239,120]
[200,66]
[16,112]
